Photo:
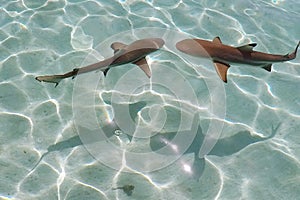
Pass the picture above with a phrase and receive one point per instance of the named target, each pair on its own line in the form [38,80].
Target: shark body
[123,54]
[224,55]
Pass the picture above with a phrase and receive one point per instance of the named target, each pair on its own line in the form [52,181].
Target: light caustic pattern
[46,37]
[171,105]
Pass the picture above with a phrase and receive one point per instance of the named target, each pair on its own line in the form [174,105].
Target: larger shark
[133,53]
[224,55]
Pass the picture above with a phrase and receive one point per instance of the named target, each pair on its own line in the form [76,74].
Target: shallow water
[183,134]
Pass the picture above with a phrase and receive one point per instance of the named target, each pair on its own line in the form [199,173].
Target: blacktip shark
[224,55]
[123,54]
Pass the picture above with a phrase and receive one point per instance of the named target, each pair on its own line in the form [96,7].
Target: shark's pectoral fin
[221,69]
[142,63]
[268,67]
[116,46]
[247,47]
[217,40]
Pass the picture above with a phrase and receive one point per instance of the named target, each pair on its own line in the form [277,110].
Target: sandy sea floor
[183,134]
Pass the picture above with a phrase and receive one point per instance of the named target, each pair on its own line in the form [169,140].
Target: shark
[223,55]
[123,54]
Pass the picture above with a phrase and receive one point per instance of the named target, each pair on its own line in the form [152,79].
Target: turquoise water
[47,149]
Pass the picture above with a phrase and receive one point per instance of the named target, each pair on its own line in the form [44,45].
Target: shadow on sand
[224,147]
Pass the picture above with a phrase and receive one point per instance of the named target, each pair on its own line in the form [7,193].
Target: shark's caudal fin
[294,54]
[57,78]
[50,79]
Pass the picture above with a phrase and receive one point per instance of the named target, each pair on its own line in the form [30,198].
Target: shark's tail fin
[57,78]
[293,55]
[50,79]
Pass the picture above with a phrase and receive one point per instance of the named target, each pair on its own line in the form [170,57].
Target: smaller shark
[223,55]
[123,54]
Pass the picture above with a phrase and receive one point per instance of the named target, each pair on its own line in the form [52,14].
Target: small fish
[128,189]
[133,53]
[223,55]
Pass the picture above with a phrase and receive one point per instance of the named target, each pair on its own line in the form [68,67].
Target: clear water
[47,148]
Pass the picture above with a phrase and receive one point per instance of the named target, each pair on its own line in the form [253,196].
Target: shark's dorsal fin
[142,63]
[222,69]
[116,46]
[247,47]
[217,40]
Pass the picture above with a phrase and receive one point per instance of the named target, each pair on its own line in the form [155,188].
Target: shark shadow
[109,130]
[223,147]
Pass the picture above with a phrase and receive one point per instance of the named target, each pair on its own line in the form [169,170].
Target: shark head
[148,43]
[158,42]
[193,47]
[185,46]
